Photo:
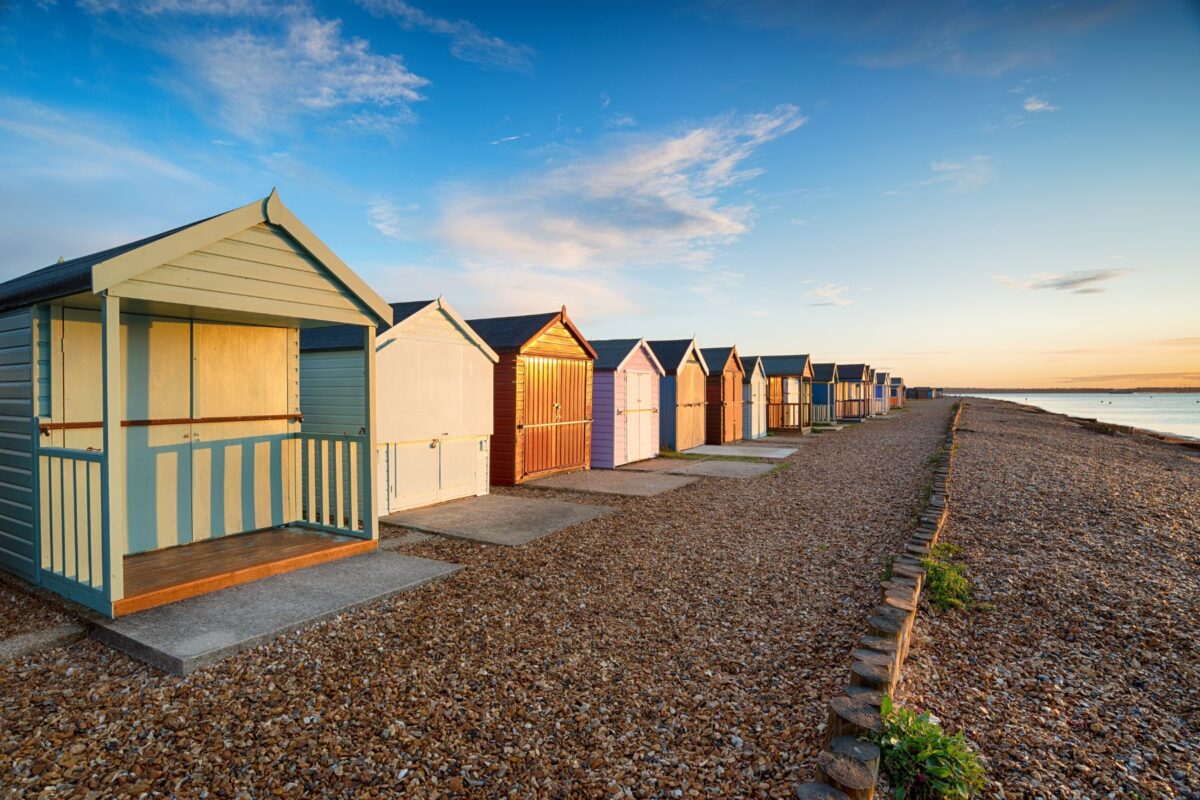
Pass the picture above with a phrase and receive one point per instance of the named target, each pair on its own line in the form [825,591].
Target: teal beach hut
[153,438]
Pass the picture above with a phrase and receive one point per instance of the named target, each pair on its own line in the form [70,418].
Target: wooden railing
[822,414]
[75,552]
[332,482]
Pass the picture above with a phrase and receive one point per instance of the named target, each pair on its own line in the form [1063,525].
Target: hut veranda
[151,413]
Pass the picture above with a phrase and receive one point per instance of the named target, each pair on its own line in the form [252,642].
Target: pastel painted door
[640,440]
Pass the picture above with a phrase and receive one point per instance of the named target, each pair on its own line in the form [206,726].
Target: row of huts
[233,376]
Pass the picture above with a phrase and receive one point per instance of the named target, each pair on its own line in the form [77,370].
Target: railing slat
[325,516]
[354,466]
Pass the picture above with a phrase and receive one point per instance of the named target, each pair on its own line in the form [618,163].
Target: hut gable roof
[512,334]
[349,337]
[852,372]
[881,378]
[673,353]
[719,359]
[752,364]
[897,381]
[108,268]
[800,365]
[825,373]
[611,354]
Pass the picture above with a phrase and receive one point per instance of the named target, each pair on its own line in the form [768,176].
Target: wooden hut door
[731,396]
[555,432]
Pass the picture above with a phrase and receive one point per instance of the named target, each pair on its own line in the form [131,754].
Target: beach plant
[921,761]
[946,583]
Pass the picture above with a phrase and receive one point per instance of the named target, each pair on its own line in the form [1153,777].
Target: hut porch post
[114,533]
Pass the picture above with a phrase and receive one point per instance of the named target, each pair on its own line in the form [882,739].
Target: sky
[964,194]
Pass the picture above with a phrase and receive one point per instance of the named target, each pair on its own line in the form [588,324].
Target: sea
[1175,413]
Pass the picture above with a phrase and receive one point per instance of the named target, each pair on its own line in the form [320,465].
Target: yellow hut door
[241,462]
[640,441]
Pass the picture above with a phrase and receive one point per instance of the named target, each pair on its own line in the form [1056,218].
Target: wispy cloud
[1035,105]
[829,295]
[66,153]
[504,139]
[1084,281]
[1182,341]
[467,41]
[643,201]
[264,66]
[390,219]
[654,201]
[965,175]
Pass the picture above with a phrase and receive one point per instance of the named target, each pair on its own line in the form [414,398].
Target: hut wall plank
[17,533]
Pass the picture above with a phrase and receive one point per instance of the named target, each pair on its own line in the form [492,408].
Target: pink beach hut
[625,387]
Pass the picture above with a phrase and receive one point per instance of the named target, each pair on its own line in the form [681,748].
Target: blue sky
[963,193]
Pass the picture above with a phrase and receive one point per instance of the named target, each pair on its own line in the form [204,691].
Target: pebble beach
[1080,674]
[683,646]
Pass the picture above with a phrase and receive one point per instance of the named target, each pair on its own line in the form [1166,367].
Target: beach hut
[852,402]
[625,391]
[879,393]
[542,402]
[824,393]
[754,399]
[789,392]
[723,395]
[433,399]
[896,393]
[153,438]
[681,403]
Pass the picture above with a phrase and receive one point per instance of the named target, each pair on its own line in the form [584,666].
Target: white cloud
[963,176]
[621,121]
[266,65]
[467,42]
[1035,104]
[654,202]
[829,295]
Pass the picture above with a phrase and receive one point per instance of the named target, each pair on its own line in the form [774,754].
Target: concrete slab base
[786,439]
[185,636]
[650,465]
[722,469]
[497,519]
[607,481]
[412,537]
[827,428]
[756,450]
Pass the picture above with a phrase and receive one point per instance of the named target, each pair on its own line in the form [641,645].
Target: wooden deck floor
[175,573]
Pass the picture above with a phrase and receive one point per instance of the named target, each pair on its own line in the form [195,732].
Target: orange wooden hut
[543,396]
[723,395]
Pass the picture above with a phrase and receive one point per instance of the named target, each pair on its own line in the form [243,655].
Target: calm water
[1165,413]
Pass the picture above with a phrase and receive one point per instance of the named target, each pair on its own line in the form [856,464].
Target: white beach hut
[433,401]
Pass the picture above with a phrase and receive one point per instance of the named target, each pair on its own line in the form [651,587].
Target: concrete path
[722,469]
[497,519]
[607,481]
[25,643]
[785,439]
[756,450]
[827,428]
[185,636]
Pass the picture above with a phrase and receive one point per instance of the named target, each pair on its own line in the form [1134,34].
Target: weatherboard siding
[17,531]
[259,270]
[608,438]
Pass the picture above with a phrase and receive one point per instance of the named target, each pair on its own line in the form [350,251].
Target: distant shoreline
[1095,390]
[1110,428]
